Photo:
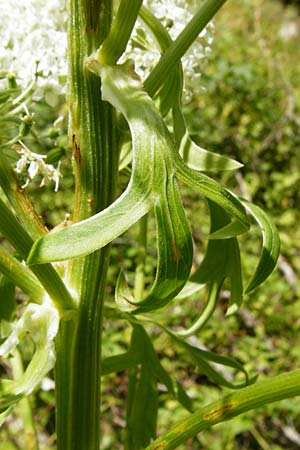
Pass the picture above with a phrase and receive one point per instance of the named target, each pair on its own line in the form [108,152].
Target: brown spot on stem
[76,149]
[219,412]
[161,446]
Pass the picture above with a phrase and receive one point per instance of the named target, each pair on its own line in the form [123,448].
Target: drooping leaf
[189,289]
[270,245]
[203,360]
[221,260]
[218,194]
[200,159]
[175,252]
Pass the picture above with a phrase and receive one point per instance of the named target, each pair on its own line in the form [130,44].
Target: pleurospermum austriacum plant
[66,308]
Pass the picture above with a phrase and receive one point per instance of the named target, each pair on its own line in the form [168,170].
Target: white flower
[31,31]
[34,164]
[35,30]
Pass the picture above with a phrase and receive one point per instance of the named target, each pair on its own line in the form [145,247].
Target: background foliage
[249,110]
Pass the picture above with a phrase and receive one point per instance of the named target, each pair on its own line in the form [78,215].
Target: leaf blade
[270,246]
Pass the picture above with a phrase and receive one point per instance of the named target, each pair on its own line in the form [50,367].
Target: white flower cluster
[174,15]
[33,31]
[34,164]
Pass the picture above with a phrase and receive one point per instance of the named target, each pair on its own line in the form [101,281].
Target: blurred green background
[249,109]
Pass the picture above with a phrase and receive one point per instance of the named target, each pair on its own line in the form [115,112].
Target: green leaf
[41,322]
[190,288]
[183,398]
[203,359]
[175,251]
[142,405]
[221,260]
[118,363]
[123,296]
[270,245]
[141,423]
[200,159]
[218,194]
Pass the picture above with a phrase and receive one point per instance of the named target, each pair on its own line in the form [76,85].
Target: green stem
[258,395]
[18,199]
[207,311]
[121,29]
[21,276]
[181,44]
[93,132]
[13,231]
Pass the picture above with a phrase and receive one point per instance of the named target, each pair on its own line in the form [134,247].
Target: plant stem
[258,395]
[177,49]
[13,231]
[18,199]
[93,129]
[120,32]
[21,276]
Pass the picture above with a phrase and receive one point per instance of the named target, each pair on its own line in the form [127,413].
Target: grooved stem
[95,156]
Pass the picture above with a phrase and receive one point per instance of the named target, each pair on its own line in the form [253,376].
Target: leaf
[206,312]
[118,363]
[91,234]
[141,422]
[200,159]
[203,359]
[190,288]
[218,194]
[183,398]
[221,260]
[142,404]
[270,246]
[123,296]
[41,322]
[175,252]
